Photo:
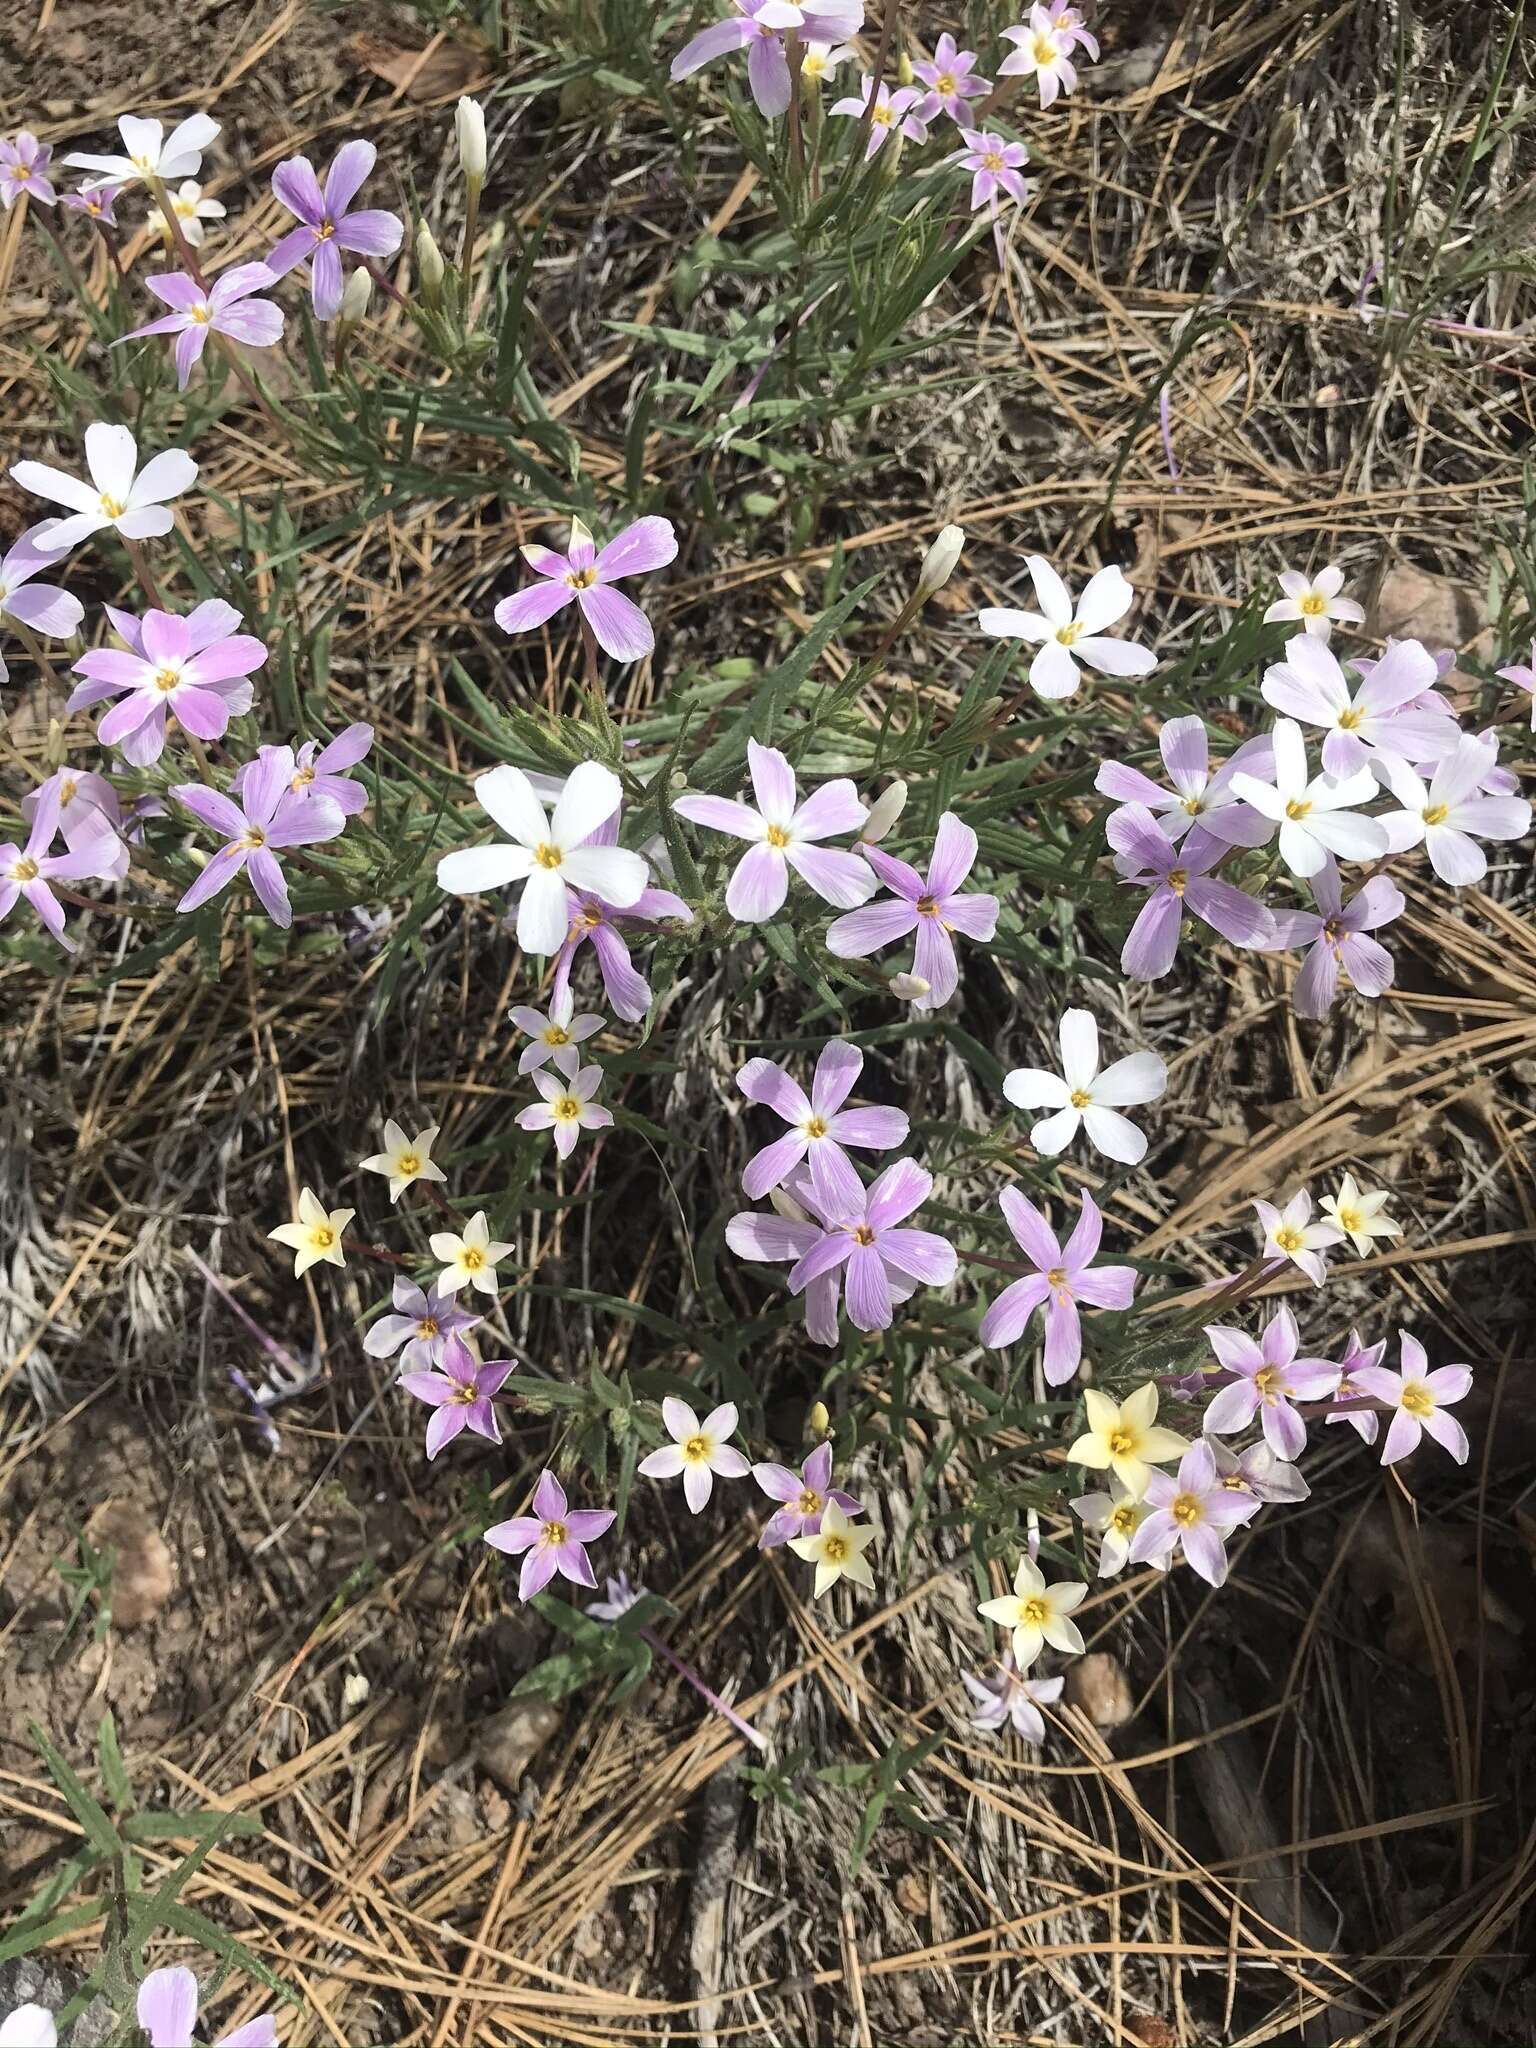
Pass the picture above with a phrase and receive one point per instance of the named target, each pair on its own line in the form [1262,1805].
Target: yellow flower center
[471,1258]
[427,1327]
[777,836]
[462,1395]
[814,1127]
[324,232]
[1234,1482]
[1057,1276]
[1314,605]
[1289,1239]
[992,161]
[142,163]
[303,777]
[1297,808]
[862,1234]
[167,676]
[927,906]
[1043,50]
[582,579]
[1186,1509]
[322,1237]
[590,918]
[556,1034]
[882,117]
[1417,1399]
[546,856]
[554,1534]
[945,82]
[1121,1441]
[24,869]
[1123,1518]
[834,1549]
[696,1450]
[1268,1384]
[566,1110]
[1192,806]
[253,839]
[1352,719]
[1065,635]
[1080,1099]
[808,1501]
[811,66]
[1437,814]
[408,1162]
[200,314]
[1178,880]
[1350,1220]
[113,507]
[1034,1611]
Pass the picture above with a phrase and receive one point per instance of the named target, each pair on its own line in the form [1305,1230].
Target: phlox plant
[856,888]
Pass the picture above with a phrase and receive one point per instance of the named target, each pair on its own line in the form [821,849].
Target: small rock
[143,1573]
[1412,604]
[912,1894]
[1098,1687]
[509,1741]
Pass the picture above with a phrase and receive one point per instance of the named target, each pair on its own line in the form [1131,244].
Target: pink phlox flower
[1070,21]
[1064,1276]
[1267,1378]
[1418,1399]
[149,153]
[596,921]
[1177,879]
[90,817]
[619,1597]
[461,1391]
[760,28]
[875,1255]
[819,1127]
[134,501]
[552,1539]
[422,1322]
[1008,1695]
[1316,815]
[782,1237]
[951,80]
[319,769]
[585,576]
[1497,781]
[1314,602]
[268,817]
[1350,1400]
[803,1494]
[1290,1234]
[1448,817]
[1070,635]
[1193,1512]
[784,834]
[1261,1471]
[192,666]
[166,2008]
[1393,709]
[1198,796]
[1043,52]
[1335,936]
[327,225]
[96,202]
[698,1450]
[930,905]
[996,165]
[899,111]
[26,871]
[24,169]
[1523,678]
[224,307]
[41,607]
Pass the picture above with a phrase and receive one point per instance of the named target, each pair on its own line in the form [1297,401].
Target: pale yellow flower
[316,1236]
[405,1159]
[1122,1438]
[837,1551]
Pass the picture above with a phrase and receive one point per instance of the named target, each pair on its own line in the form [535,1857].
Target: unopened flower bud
[817,1421]
[787,1206]
[469,119]
[54,748]
[905,75]
[430,267]
[908,988]
[883,813]
[355,298]
[940,562]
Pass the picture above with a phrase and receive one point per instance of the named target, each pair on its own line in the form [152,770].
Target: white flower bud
[469,119]
[908,988]
[939,562]
[883,813]
[787,1206]
[355,298]
[430,268]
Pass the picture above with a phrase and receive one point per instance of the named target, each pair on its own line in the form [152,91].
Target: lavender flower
[41,607]
[90,816]
[1043,50]
[1394,708]
[1009,1696]
[552,1033]
[932,906]
[1351,1404]
[820,1127]
[24,170]
[784,833]
[1063,1277]
[225,307]
[1268,1377]
[319,769]
[552,1539]
[1418,1399]
[1290,1233]
[804,1495]
[1194,1512]
[585,576]
[327,226]
[698,1450]
[167,2002]
[422,1322]
[1334,936]
[1449,817]
[1523,677]
[619,1597]
[96,202]
[895,113]
[760,29]
[1177,878]
[596,920]
[26,871]
[1198,796]
[952,80]
[460,1392]
[566,1107]
[876,1257]
[1260,1471]
[996,165]
[268,817]
[192,666]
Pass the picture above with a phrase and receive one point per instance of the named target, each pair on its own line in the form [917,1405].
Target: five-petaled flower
[567,1108]
[1418,1399]
[784,833]
[951,79]
[191,667]
[405,1160]
[1358,1213]
[1199,795]
[819,1126]
[268,817]
[584,576]
[26,871]
[40,607]
[698,1450]
[1450,815]
[461,1392]
[1177,878]
[1194,1512]
[1064,1276]
[551,855]
[1394,709]
[316,1237]
[1267,1378]
[1043,52]
[227,306]
[327,225]
[1290,1233]
[1081,1095]
[930,905]
[1317,815]
[1124,1437]
[1038,1614]
[469,1260]
[837,1551]
[894,113]
[550,1033]
[149,153]
[760,27]
[1315,603]
[421,1322]
[1070,636]
[133,501]
[1009,1696]
[881,1263]
[24,170]
[552,1539]
[1114,1517]
[996,165]
[1335,936]
[803,1496]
